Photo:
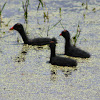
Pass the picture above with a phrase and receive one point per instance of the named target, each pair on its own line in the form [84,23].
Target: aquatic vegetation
[1,9]
[40,2]
[46,16]
[94,9]
[53,26]
[75,38]
[45,10]
[60,12]
[86,5]
[8,22]
[25,8]
[86,8]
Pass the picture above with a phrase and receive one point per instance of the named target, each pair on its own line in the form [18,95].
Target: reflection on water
[22,55]
[65,70]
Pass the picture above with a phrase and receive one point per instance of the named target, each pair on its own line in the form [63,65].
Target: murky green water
[25,73]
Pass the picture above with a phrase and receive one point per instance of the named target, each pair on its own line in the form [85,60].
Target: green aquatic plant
[75,38]
[86,5]
[46,16]
[45,10]
[61,18]
[1,9]
[62,25]
[25,8]
[86,8]
[84,15]
[83,4]
[8,22]
[40,2]
[53,26]
[45,13]
[94,9]
[60,12]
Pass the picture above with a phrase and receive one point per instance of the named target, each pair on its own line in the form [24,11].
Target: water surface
[25,73]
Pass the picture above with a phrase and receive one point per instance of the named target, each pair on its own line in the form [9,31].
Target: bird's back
[76,52]
[41,41]
[62,61]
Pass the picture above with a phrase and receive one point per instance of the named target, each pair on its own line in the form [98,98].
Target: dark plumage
[71,50]
[37,41]
[60,61]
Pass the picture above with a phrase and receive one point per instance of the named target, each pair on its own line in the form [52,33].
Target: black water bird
[71,50]
[36,41]
[60,61]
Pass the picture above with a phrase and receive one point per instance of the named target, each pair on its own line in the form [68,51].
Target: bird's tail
[54,39]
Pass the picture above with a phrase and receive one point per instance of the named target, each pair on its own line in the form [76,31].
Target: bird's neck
[52,53]
[24,36]
[67,43]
